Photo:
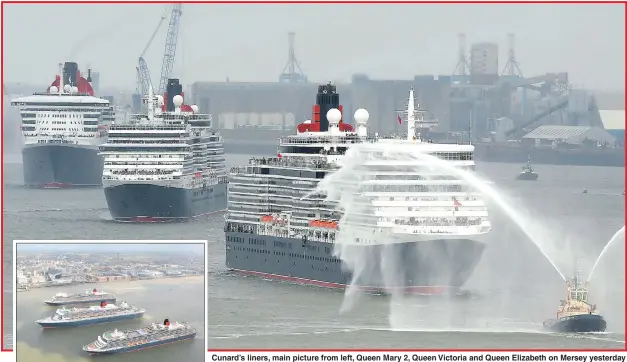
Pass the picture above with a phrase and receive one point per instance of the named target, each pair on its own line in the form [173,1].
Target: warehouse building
[556,136]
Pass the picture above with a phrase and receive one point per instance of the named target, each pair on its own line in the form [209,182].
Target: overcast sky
[249,42]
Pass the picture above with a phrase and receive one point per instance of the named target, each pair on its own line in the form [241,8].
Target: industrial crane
[169,52]
[143,75]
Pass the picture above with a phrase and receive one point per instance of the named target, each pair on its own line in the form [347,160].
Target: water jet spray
[620,233]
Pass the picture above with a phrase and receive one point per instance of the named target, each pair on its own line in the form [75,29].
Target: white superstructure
[404,196]
[64,116]
[172,149]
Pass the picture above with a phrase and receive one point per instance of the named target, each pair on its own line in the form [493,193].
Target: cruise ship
[105,313]
[93,296]
[62,129]
[166,165]
[154,335]
[437,225]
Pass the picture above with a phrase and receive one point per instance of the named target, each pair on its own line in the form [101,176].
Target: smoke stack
[89,75]
[70,73]
[173,88]
[327,98]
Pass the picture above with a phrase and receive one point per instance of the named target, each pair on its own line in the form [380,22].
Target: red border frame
[2,349]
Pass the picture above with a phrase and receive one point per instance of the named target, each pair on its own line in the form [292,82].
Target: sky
[249,42]
[179,247]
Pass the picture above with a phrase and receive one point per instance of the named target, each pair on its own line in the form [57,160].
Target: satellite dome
[334,116]
[194,108]
[177,100]
[67,87]
[361,116]
[160,100]
[74,90]
[53,89]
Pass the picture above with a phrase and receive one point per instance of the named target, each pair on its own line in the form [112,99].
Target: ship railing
[347,138]
[430,221]
[290,162]
[147,127]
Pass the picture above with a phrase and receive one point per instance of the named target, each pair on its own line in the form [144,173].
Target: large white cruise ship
[62,129]
[166,165]
[437,225]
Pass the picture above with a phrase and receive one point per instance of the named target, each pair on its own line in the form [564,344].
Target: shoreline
[41,286]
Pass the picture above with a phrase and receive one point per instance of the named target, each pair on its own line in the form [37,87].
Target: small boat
[575,314]
[527,173]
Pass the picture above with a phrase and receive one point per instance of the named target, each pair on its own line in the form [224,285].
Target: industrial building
[473,100]
[569,135]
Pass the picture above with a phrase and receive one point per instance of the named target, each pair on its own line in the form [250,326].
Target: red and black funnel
[166,322]
[103,303]
[72,76]
[94,290]
[327,98]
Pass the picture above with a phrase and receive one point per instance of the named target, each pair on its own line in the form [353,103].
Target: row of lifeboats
[323,224]
[314,223]
[135,343]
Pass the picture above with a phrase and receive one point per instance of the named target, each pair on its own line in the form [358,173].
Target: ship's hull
[77,302]
[55,166]
[88,322]
[155,203]
[583,323]
[436,266]
[145,345]
[526,176]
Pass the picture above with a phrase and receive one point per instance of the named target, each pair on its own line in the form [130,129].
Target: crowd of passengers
[440,221]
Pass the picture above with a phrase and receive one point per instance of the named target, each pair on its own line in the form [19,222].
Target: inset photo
[78,299]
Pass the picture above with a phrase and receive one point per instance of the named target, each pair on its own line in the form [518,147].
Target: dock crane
[143,75]
[144,80]
[169,51]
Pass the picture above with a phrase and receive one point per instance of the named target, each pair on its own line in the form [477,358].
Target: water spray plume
[490,192]
[343,188]
[620,234]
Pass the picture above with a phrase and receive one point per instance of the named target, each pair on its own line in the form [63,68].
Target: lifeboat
[323,224]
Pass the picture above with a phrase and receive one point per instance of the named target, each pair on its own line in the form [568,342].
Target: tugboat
[575,314]
[527,173]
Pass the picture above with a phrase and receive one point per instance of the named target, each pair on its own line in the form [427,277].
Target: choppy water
[518,289]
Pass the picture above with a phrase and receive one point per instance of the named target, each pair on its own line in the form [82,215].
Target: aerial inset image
[78,300]
[400,176]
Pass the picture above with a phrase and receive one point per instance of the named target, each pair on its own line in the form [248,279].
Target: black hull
[61,166]
[57,303]
[426,267]
[139,347]
[527,177]
[584,323]
[152,203]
